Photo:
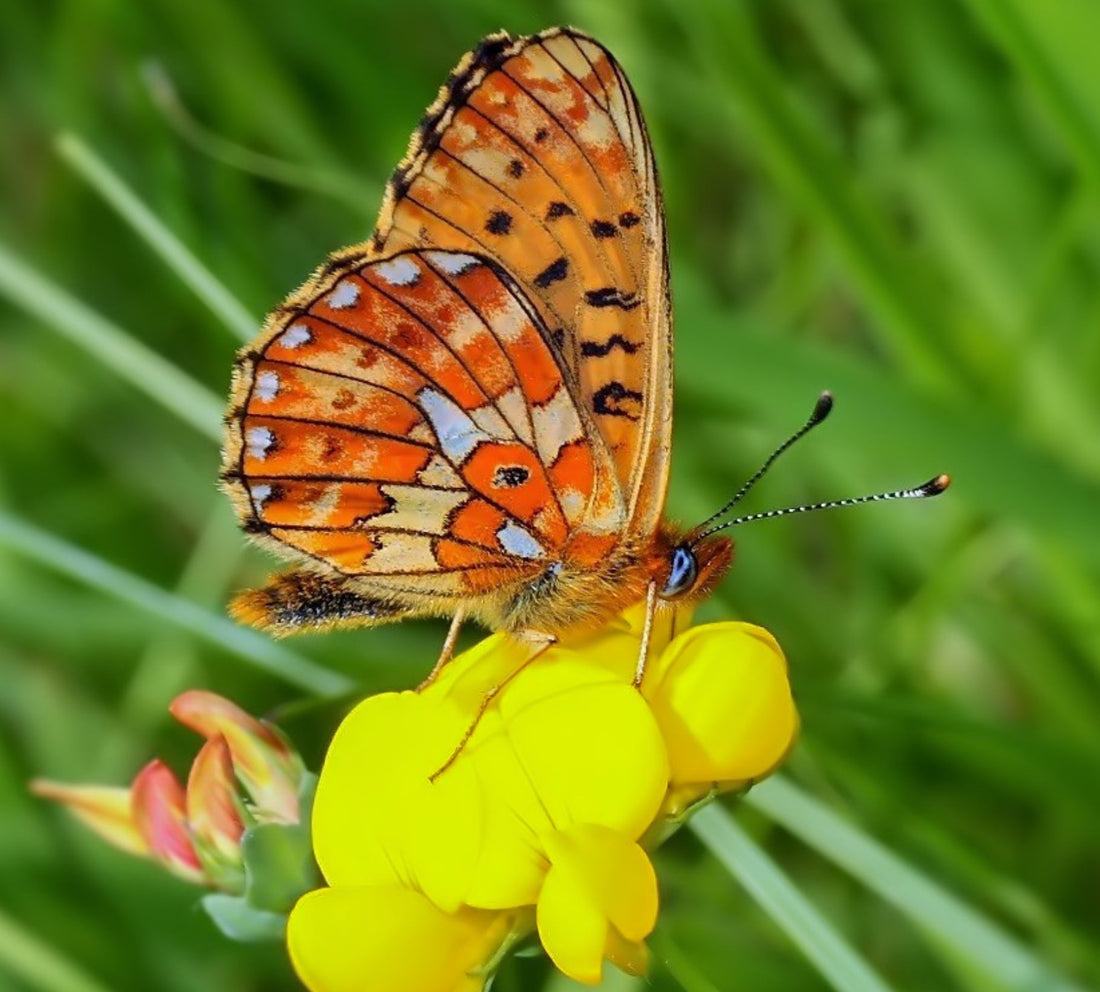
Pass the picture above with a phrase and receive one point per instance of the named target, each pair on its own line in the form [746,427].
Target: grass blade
[171,659]
[937,911]
[180,259]
[22,954]
[1005,25]
[352,192]
[258,650]
[119,351]
[781,899]
[747,94]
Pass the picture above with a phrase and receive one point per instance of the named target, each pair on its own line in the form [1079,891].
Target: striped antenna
[933,487]
[821,410]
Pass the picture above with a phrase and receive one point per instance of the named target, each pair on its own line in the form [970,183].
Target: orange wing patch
[411,419]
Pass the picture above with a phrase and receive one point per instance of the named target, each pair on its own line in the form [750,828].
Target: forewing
[406,422]
[536,154]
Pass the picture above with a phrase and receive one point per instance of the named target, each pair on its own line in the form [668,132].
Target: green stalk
[258,650]
[177,256]
[938,912]
[115,348]
[781,899]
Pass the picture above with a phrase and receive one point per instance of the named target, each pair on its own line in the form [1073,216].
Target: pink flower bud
[267,766]
[216,824]
[159,812]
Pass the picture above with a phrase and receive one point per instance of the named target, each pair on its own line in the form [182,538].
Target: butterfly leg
[647,634]
[541,643]
[448,650]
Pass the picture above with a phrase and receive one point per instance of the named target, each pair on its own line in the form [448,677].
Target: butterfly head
[692,565]
[691,570]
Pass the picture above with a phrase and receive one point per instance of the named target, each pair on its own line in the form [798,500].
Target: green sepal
[239,921]
[278,858]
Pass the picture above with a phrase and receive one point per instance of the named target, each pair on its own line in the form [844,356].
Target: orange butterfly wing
[408,425]
[536,154]
[437,418]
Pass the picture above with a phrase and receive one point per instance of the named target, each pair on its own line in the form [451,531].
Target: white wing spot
[345,295]
[452,262]
[261,494]
[556,425]
[402,271]
[517,540]
[438,473]
[572,503]
[267,386]
[415,508]
[513,404]
[259,440]
[458,434]
[296,336]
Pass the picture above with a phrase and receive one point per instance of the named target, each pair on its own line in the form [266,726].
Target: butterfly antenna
[933,487]
[821,410]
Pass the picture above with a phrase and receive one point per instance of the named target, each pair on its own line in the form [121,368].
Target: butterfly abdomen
[303,601]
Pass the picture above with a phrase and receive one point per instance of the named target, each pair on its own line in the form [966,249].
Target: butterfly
[469,415]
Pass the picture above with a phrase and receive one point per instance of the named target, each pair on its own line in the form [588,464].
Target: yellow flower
[540,820]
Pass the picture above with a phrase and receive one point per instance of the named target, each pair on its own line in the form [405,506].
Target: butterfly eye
[682,573]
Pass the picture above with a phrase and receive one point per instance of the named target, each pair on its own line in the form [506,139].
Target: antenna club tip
[933,487]
[822,407]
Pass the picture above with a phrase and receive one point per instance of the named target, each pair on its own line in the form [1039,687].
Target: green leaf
[781,899]
[278,858]
[942,914]
[239,921]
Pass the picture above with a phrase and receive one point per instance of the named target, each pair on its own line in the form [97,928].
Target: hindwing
[410,425]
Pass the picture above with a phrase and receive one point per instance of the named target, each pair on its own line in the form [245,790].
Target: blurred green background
[898,201]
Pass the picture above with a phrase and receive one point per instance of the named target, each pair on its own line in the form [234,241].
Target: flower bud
[213,815]
[263,760]
[105,809]
[160,815]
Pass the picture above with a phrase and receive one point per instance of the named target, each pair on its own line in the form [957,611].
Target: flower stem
[42,967]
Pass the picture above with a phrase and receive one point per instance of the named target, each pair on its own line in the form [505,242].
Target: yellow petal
[390,939]
[487,664]
[509,867]
[626,955]
[443,837]
[105,809]
[721,696]
[599,896]
[377,769]
[593,753]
